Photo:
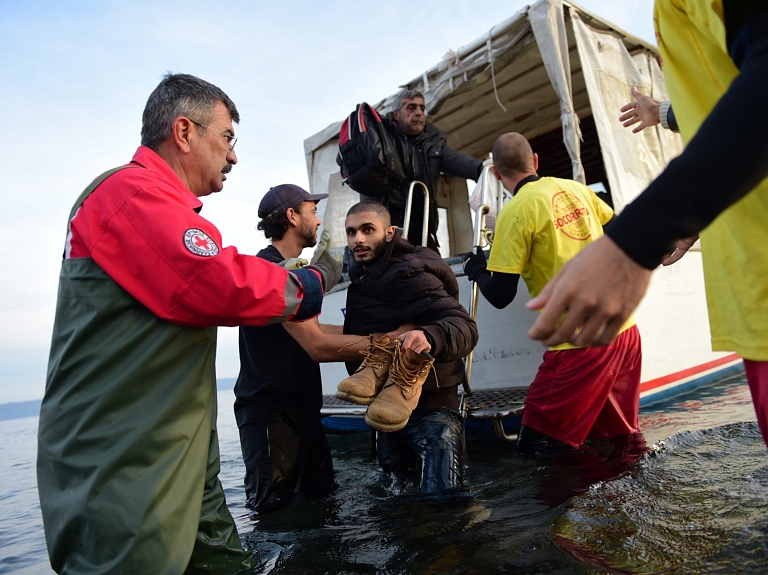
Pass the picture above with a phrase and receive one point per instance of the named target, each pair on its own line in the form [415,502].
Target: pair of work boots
[389,382]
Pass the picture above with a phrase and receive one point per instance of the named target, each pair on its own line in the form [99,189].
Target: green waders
[128,454]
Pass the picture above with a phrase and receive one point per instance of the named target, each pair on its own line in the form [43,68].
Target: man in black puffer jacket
[424,156]
[395,283]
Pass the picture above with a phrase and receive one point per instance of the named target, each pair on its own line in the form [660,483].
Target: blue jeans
[431,444]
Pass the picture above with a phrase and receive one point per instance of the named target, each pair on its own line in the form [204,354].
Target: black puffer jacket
[414,284]
[424,157]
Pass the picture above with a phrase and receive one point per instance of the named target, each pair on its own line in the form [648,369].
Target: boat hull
[673,323]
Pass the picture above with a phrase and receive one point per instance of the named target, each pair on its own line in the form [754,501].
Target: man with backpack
[419,153]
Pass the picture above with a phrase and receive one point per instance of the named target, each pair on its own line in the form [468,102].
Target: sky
[75,76]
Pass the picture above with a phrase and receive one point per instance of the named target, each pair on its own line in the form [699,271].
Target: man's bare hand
[597,291]
[681,248]
[642,109]
[415,340]
[401,330]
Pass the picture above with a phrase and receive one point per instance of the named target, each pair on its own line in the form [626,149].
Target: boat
[558,74]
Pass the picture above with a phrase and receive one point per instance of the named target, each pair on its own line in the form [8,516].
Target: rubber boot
[398,398]
[533,442]
[363,385]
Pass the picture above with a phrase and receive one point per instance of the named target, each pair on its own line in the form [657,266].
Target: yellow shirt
[698,71]
[543,226]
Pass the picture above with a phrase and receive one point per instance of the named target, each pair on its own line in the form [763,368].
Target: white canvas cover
[545,68]
[610,71]
[549,29]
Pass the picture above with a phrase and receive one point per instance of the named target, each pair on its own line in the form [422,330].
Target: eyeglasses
[231,140]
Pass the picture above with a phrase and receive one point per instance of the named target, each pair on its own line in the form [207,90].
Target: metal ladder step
[484,404]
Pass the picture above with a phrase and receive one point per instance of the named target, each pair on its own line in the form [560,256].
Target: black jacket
[275,372]
[424,157]
[414,284]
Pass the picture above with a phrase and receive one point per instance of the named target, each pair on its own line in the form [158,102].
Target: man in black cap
[279,389]
[278,392]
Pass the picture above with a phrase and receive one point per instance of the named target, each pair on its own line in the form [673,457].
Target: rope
[493,73]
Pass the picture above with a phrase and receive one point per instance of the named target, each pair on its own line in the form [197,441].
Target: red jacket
[142,227]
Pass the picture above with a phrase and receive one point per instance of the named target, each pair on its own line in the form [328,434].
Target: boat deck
[484,404]
[487,404]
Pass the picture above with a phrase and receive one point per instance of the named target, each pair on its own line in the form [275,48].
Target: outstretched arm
[648,112]
[326,343]
[462,165]
[602,285]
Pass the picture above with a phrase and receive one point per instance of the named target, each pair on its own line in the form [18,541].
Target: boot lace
[405,376]
[376,355]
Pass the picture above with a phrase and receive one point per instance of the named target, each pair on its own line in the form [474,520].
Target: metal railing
[481,235]
[409,205]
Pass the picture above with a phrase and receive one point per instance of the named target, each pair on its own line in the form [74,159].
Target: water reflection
[503,520]
[697,505]
[701,509]
[377,523]
[569,473]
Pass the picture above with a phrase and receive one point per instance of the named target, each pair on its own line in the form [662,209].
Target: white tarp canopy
[543,69]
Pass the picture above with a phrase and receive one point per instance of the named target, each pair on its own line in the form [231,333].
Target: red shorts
[757,377]
[587,391]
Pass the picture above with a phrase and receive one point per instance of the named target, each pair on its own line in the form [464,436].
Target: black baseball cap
[280,198]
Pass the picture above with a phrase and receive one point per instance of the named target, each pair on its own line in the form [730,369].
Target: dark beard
[309,237]
[377,250]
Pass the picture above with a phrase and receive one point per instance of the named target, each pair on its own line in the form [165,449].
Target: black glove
[475,263]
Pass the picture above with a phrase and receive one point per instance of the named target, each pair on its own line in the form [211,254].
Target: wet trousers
[282,460]
[128,453]
[757,377]
[589,391]
[430,443]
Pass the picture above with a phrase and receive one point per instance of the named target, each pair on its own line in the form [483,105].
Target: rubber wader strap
[94,184]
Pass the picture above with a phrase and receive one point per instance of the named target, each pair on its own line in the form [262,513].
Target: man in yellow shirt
[715,62]
[578,391]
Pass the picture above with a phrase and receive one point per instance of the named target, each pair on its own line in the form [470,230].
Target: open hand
[643,110]
[590,298]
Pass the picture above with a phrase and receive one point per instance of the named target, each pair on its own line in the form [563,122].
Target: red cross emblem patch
[200,243]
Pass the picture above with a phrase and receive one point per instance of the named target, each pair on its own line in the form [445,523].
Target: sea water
[688,495]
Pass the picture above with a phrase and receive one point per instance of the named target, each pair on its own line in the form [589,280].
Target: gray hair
[180,95]
[405,94]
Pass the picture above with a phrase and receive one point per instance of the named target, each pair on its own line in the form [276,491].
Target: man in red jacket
[128,455]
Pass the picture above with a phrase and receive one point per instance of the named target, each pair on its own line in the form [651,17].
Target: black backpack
[368,156]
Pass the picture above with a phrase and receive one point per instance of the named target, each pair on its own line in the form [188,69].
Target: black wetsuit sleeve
[726,159]
[498,288]
[672,121]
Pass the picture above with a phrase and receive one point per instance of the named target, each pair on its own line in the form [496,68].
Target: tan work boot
[363,385]
[398,398]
